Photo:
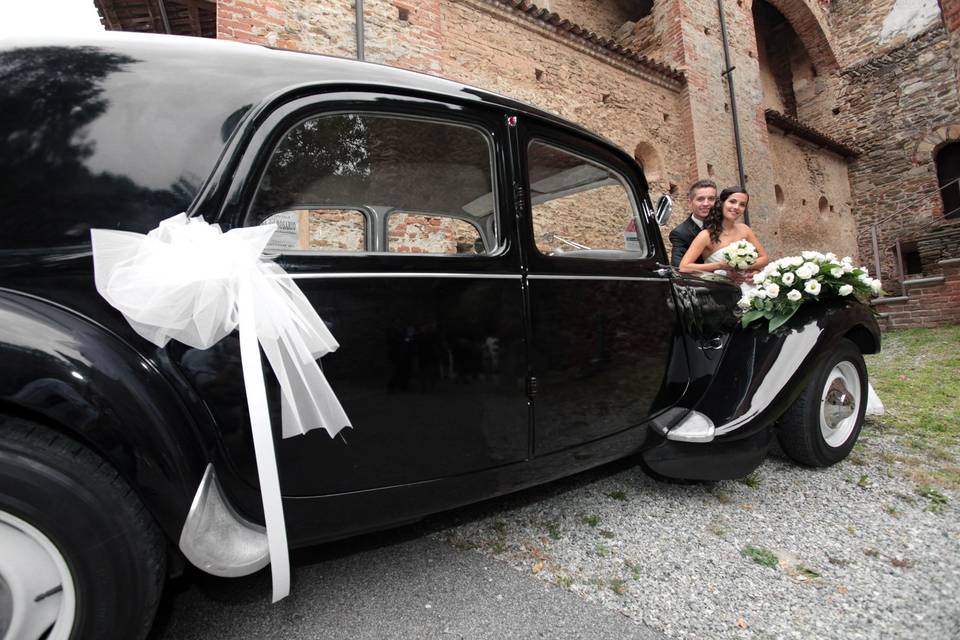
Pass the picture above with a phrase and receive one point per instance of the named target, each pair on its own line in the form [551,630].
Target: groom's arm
[679,243]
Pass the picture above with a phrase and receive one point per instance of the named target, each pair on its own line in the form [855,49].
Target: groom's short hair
[701,184]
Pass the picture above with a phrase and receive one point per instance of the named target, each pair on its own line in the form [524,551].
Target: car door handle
[663,272]
[712,344]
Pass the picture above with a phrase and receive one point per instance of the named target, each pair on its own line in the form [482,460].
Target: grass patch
[752,480]
[553,529]
[591,520]
[917,375]
[935,498]
[619,494]
[761,556]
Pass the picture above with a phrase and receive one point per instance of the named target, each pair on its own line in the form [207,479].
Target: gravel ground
[854,551]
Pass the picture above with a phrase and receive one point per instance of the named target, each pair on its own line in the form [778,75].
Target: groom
[700,197]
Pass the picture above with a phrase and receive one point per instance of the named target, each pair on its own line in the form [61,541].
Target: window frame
[375,222]
[592,152]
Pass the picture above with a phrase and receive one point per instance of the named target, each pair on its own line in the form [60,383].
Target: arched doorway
[948,178]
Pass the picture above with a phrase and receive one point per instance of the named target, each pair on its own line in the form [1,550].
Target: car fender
[66,371]
[762,373]
[724,433]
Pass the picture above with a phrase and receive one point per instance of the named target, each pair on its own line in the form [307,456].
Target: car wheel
[82,558]
[823,424]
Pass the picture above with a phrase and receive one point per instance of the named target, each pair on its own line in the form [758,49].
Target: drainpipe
[358,5]
[163,16]
[728,72]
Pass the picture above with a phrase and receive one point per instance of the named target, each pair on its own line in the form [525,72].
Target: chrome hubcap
[839,404]
[37,598]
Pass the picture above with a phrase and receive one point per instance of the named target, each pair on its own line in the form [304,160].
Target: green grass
[619,494]
[752,480]
[917,376]
[761,556]
[591,520]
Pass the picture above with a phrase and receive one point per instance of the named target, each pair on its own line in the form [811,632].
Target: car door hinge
[531,386]
[519,199]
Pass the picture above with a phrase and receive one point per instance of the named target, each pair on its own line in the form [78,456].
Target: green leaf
[750,316]
[777,321]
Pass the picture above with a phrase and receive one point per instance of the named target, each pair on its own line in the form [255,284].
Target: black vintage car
[495,276]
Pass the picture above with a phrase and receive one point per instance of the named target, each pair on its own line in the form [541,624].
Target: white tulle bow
[187,280]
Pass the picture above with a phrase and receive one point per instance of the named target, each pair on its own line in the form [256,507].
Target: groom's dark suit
[680,239]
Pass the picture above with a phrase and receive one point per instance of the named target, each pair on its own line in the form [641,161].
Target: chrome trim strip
[403,274]
[544,276]
[217,539]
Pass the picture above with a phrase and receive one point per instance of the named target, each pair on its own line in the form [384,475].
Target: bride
[722,227]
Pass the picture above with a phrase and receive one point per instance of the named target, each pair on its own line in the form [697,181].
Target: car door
[602,320]
[391,218]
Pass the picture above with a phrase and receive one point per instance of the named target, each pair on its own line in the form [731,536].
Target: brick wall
[929,305]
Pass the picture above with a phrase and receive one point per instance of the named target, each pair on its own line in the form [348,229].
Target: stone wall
[895,88]
[812,197]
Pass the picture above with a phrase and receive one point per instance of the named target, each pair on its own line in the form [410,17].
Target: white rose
[745,302]
[830,257]
[846,260]
[796,261]
[788,278]
[809,255]
[876,286]
[773,274]
[847,267]
[836,272]
[758,278]
[812,287]
[793,295]
[864,278]
[772,290]
[760,293]
[804,272]
[846,290]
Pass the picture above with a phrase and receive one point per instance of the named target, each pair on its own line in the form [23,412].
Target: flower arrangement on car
[784,285]
[740,254]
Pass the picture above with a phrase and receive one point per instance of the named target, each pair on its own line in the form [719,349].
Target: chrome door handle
[663,272]
[712,345]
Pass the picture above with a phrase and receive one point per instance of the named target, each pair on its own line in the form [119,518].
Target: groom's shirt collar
[697,221]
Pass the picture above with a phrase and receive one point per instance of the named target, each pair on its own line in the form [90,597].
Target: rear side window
[379,183]
[578,204]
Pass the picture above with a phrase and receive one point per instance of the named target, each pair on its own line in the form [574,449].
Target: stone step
[928,280]
[889,300]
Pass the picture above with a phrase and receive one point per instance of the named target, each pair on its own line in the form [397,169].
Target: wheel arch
[71,375]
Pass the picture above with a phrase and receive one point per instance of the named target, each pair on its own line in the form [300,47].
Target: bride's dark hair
[714,220]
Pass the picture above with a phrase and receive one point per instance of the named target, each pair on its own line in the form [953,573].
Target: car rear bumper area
[720,459]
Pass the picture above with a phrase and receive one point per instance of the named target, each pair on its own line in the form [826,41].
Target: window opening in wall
[786,72]
[823,204]
[778,193]
[948,173]
[910,256]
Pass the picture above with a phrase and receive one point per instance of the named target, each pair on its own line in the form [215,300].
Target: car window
[578,204]
[318,229]
[366,182]
[418,233]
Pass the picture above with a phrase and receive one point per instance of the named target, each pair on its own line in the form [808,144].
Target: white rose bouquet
[740,254]
[783,285]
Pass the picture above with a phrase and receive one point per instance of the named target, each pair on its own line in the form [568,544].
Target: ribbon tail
[263,443]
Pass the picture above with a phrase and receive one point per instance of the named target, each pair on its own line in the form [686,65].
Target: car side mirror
[664,209]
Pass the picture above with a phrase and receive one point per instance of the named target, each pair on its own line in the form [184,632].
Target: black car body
[510,356]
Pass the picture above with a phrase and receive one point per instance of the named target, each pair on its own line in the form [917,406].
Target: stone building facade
[844,106]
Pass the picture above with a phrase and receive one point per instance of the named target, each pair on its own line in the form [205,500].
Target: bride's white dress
[716,256]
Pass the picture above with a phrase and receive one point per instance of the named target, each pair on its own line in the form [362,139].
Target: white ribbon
[189,281]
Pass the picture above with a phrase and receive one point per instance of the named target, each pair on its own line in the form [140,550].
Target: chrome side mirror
[664,209]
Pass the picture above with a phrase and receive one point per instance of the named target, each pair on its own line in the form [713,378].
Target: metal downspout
[358,6]
[728,72]
[163,16]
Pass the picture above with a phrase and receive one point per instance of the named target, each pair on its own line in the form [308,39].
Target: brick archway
[926,148]
[810,32]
